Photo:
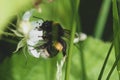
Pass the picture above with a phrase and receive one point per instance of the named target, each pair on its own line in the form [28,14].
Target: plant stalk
[68,62]
[105,62]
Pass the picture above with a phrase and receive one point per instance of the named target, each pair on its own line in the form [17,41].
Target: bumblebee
[53,33]
[48,39]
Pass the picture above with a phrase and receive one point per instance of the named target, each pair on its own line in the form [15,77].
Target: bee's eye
[45,24]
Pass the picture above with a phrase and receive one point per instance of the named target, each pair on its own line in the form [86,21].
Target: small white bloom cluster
[59,68]
[79,37]
[34,35]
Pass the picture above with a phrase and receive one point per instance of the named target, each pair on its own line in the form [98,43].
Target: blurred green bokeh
[15,67]
[10,9]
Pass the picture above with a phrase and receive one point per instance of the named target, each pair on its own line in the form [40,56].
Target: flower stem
[74,17]
[68,63]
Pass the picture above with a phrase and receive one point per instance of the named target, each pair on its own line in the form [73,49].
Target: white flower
[79,37]
[38,52]
[25,27]
[27,15]
[32,51]
[34,37]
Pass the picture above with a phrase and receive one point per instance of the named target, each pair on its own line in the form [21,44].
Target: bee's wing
[78,36]
[67,33]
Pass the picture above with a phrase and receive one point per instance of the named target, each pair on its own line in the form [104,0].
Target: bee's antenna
[38,17]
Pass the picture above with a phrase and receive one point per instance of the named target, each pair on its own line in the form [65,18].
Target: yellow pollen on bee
[58,46]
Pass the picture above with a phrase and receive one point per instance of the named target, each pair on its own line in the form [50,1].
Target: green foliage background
[17,67]
[10,9]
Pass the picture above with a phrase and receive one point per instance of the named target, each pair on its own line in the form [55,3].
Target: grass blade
[68,63]
[105,62]
[116,30]
[113,67]
[74,10]
[102,18]
[82,59]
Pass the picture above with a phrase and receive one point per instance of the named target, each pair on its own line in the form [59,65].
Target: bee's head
[46,25]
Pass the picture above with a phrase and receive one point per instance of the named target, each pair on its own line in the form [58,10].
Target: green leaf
[21,44]
[17,33]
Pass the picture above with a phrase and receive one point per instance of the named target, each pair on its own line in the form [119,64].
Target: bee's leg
[64,46]
[43,46]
